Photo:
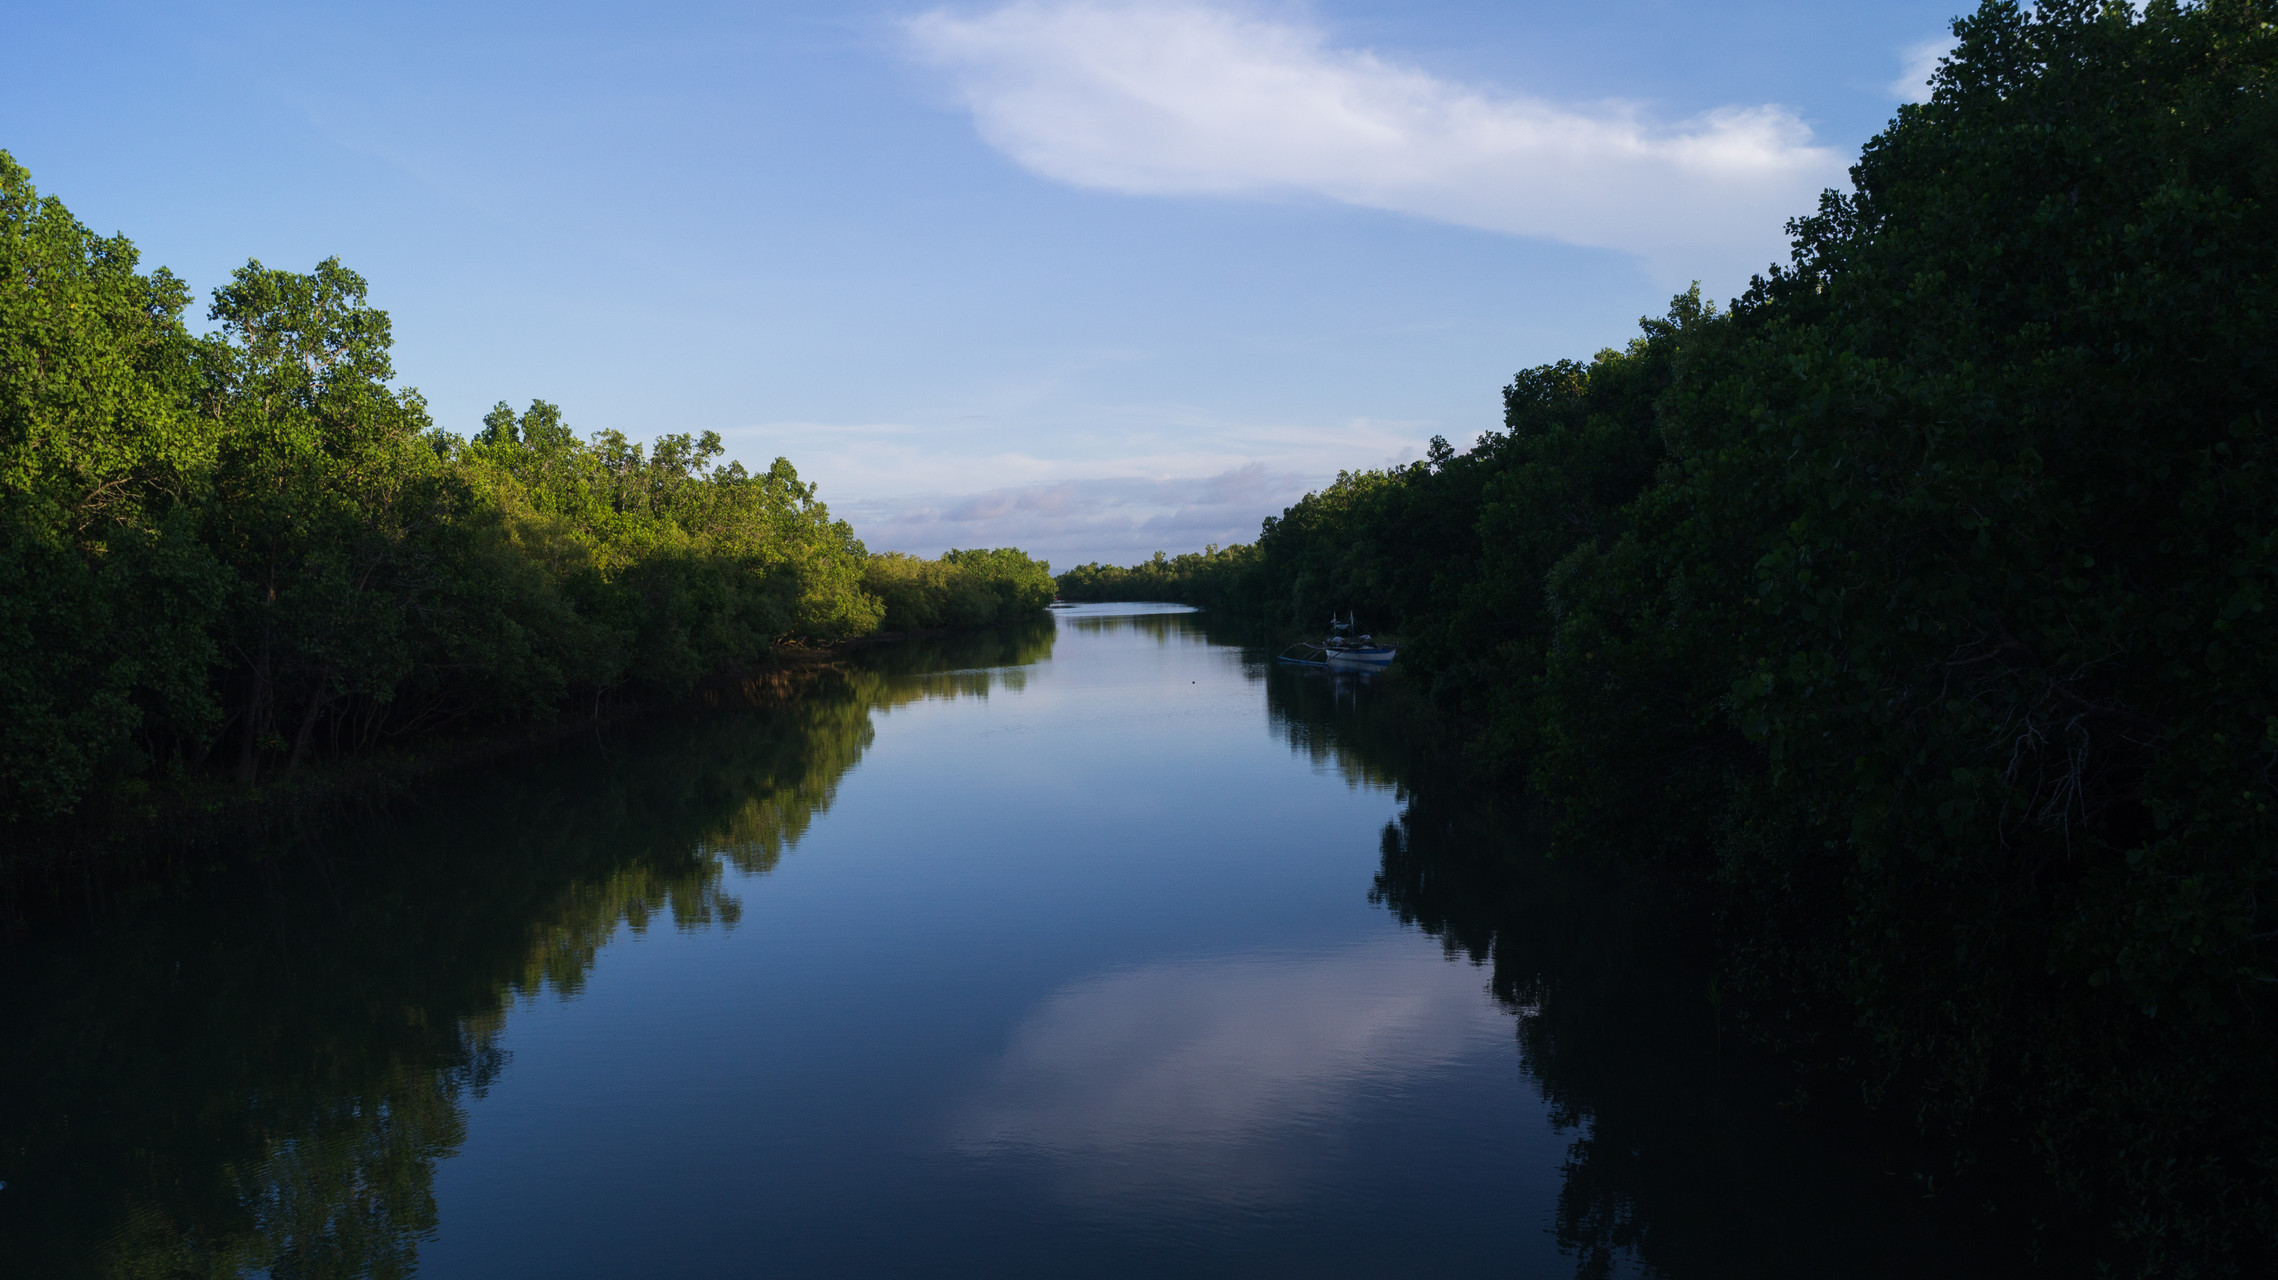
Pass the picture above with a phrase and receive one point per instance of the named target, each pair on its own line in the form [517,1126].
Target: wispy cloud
[1189,98]
[1921,61]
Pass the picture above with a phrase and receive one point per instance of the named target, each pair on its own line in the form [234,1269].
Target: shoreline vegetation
[86,860]
[236,560]
[1918,612]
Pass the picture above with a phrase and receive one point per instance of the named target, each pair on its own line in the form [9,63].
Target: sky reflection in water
[1212,1080]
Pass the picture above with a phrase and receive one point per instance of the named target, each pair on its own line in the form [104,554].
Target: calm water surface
[1097,948]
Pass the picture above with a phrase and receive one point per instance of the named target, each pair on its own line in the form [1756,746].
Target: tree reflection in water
[258,1073]
[1688,1158]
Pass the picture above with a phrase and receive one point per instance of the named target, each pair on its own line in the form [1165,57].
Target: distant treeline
[1924,609]
[240,551]
[1214,576]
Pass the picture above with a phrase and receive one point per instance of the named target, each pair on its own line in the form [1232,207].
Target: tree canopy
[238,551]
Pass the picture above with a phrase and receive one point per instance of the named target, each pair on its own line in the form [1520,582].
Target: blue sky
[1088,278]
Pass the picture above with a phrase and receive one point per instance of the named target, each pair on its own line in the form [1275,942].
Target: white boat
[1342,650]
[1363,656]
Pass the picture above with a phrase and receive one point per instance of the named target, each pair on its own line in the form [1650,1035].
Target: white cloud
[1121,487]
[1134,441]
[1208,1079]
[1187,98]
[1116,519]
[1921,61]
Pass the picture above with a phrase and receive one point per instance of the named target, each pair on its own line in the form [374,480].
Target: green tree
[106,594]
[331,503]
[255,540]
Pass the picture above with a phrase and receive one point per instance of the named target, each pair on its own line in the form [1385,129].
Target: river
[1098,947]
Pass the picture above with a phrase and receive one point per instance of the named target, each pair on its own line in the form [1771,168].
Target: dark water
[1097,949]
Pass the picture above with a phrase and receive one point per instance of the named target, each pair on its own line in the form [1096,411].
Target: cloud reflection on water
[1221,1080]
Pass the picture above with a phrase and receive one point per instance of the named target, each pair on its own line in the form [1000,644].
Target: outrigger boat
[1342,650]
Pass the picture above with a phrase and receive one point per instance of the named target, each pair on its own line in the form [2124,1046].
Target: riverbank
[180,826]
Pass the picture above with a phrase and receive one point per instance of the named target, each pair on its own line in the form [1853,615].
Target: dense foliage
[1212,576]
[1923,606]
[245,549]
[961,589]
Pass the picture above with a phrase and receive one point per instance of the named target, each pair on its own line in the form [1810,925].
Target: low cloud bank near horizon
[1191,98]
[1118,520]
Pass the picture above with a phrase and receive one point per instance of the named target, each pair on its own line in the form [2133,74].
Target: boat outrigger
[1342,650]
